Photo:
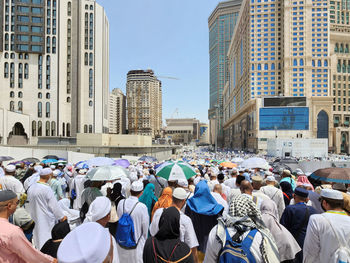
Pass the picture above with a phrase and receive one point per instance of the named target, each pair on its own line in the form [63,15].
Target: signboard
[285,102]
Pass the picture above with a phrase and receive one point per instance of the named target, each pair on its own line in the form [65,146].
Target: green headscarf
[148,197]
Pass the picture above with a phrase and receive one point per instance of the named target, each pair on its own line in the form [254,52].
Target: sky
[170,37]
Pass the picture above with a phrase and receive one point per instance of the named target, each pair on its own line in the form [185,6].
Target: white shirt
[221,201]
[78,184]
[320,241]
[276,195]
[226,190]
[214,247]
[45,211]
[231,183]
[140,219]
[8,182]
[187,233]
[212,183]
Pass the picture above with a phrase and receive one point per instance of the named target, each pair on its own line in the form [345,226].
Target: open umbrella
[5,158]
[334,175]
[148,159]
[255,162]
[100,161]
[31,160]
[107,173]
[228,165]
[81,165]
[49,161]
[237,160]
[122,162]
[173,171]
[51,157]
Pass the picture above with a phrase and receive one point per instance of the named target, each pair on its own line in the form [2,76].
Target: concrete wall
[113,140]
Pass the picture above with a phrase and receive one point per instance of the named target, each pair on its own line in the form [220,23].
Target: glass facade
[284,118]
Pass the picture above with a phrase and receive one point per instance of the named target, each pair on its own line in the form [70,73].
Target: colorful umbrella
[49,161]
[173,171]
[334,175]
[107,173]
[148,159]
[81,165]
[100,161]
[228,165]
[122,162]
[31,160]
[51,157]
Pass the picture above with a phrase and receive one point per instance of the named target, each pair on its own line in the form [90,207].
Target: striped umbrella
[173,171]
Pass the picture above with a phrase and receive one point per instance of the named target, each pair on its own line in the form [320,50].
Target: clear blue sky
[170,37]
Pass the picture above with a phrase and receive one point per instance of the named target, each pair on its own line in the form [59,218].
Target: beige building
[117,112]
[182,131]
[144,103]
[279,65]
[55,73]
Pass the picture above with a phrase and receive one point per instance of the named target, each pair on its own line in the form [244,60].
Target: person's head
[60,230]
[60,166]
[53,167]
[169,224]
[89,242]
[99,211]
[8,203]
[217,188]
[182,183]
[246,187]
[172,183]
[300,195]
[136,189]
[221,178]
[239,180]
[212,176]
[46,174]
[340,187]
[286,173]
[10,169]
[331,200]
[179,197]
[270,180]
[257,182]
[234,172]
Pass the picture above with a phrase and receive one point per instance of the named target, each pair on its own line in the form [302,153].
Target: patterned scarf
[243,215]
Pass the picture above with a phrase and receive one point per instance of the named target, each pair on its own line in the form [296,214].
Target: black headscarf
[166,243]
[116,194]
[287,192]
[58,232]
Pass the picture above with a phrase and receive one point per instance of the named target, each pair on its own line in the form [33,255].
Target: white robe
[276,195]
[320,241]
[78,184]
[45,211]
[31,180]
[221,201]
[141,222]
[8,182]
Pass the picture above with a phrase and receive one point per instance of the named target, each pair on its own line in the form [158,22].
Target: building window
[12,106]
[12,94]
[54,45]
[48,95]
[63,129]
[69,12]
[91,78]
[26,70]
[33,128]
[40,95]
[68,99]
[47,128]
[53,128]
[85,128]
[20,75]
[12,75]
[20,106]
[6,70]
[86,59]
[91,59]
[40,128]
[48,72]
[90,128]
[68,130]
[90,103]
[20,94]
[47,109]
[48,44]
[40,109]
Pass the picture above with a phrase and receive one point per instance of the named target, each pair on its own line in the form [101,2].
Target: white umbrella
[107,173]
[99,161]
[255,162]
[237,160]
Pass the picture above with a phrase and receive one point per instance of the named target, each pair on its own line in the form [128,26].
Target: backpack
[342,254]
[234,252]
[125,235]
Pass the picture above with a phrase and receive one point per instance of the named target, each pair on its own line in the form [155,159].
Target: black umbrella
[5,158]
[31,160]
[51,157]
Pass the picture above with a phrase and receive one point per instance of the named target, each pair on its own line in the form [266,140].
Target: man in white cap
[9,182]
[187,233]
[77,184]
[140,218]
[33,178]
[88,243]
[328,232]
[43,208]
[274,193]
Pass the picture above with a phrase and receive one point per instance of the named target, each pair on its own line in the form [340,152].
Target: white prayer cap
[268,173]
[271,178]
[56,173]
[45,171]
[180,193]
[332,194]
[299,171]
[38,168]
[98,209]
[10,168]
[182,182]
[82,171]
[136,186]
[53,166]
[88,243]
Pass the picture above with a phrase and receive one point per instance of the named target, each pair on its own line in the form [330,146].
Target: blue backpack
[125,235]
[234,252]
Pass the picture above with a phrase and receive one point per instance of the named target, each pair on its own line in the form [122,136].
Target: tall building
[280,66]
[117,112]
[144,103]
[54,58]
[221,24]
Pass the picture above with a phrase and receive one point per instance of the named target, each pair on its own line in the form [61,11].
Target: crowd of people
[54,213]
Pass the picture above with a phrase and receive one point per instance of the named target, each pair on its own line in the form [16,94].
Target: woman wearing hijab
[164,201]
[58,233]
[116,195]
[166,246]
[287,192]
[286,243]
[242,221]
[148,197]
[203,210]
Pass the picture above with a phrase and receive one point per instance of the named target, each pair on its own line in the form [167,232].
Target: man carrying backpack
[328,234]
[132,230]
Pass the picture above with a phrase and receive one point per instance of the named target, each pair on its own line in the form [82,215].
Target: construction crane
[167,77]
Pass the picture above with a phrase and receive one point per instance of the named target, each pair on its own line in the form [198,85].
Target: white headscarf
[98,209]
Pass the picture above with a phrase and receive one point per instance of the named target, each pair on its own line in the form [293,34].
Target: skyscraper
[117,112]
[144,103]
[221,27]
[55,61]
